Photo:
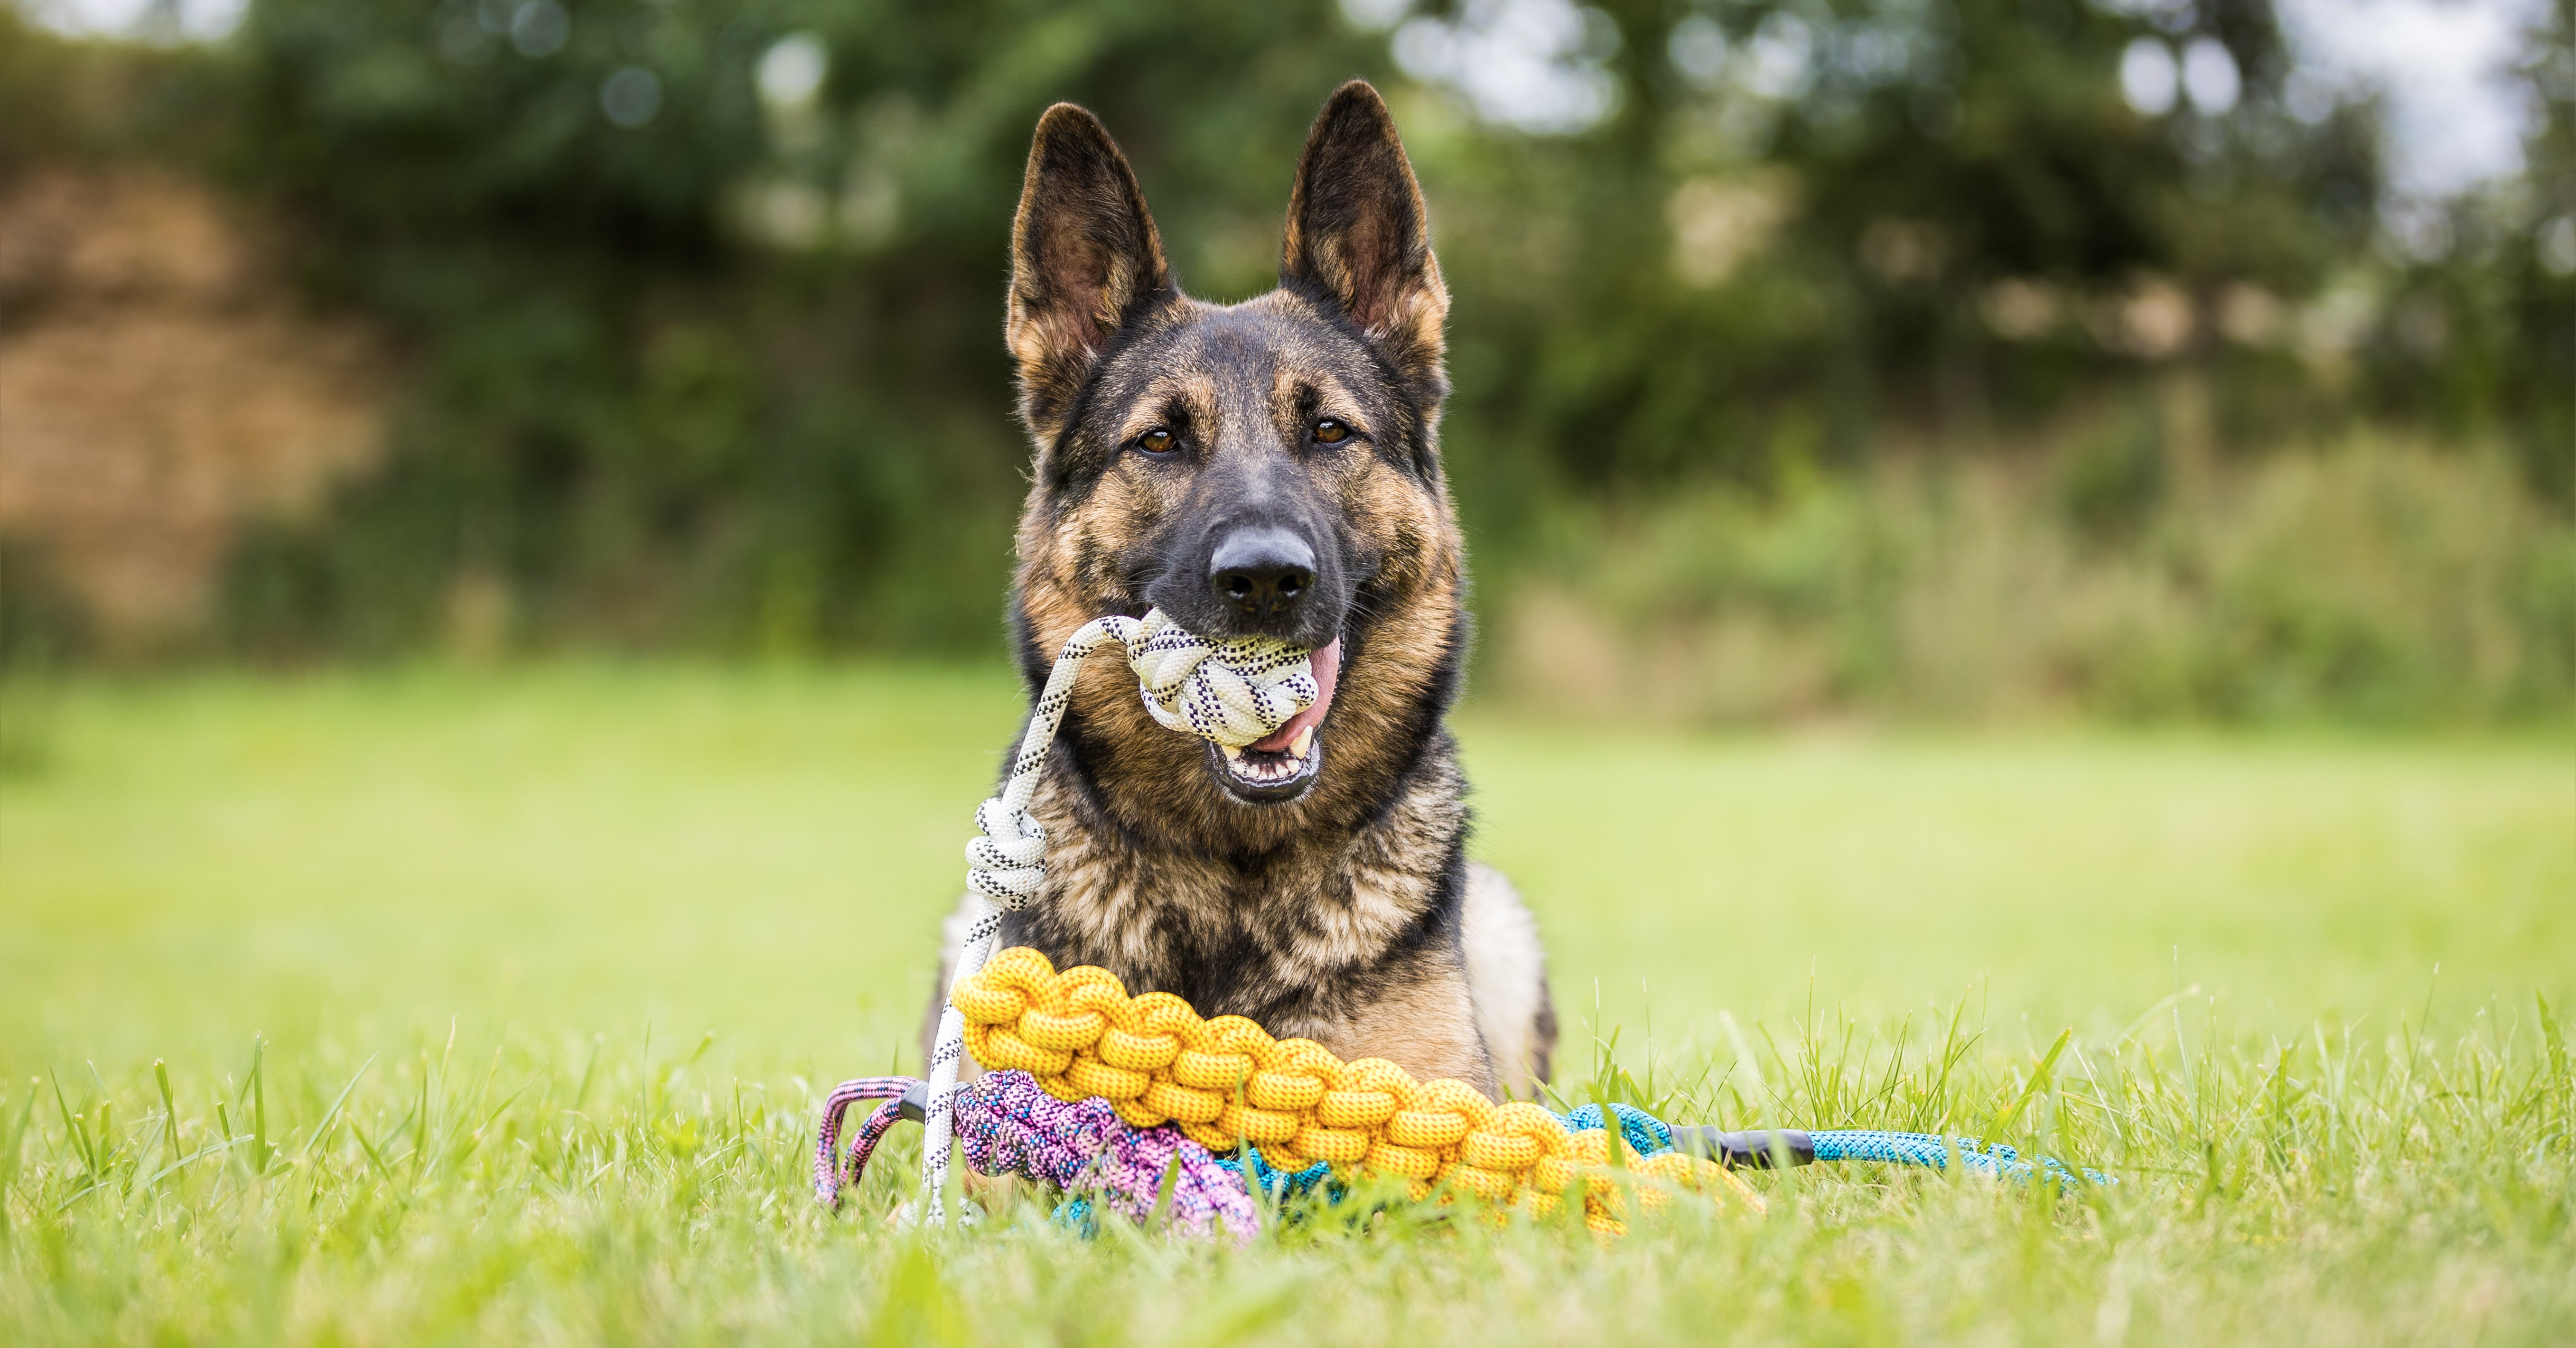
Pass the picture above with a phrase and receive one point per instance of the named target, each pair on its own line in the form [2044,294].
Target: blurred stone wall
[159,385]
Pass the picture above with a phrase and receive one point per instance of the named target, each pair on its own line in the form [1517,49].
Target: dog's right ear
[1359,238]
[1085,262]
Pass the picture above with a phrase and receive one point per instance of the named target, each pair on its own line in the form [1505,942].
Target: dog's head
[1268,467]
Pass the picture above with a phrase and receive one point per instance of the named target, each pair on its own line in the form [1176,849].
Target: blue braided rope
[1270,1179]
[1646,1134]
[1927,1149]
[1651,1136]
[1075,1214]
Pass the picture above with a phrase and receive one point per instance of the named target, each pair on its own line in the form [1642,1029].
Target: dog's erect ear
[1357,234]
[1085,261]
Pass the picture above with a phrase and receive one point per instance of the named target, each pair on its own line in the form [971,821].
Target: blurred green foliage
[700,332]
[2376,582]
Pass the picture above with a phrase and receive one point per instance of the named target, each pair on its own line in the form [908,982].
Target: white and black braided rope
[1233,691]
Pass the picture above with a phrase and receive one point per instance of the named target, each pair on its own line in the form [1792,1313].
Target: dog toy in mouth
[1236,693]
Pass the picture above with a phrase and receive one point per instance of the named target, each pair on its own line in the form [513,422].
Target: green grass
[546,970]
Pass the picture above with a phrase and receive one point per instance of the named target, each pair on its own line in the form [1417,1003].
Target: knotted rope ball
[1232,690]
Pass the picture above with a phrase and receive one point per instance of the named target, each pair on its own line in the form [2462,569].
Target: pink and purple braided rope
[827,1170]
[1011,1127]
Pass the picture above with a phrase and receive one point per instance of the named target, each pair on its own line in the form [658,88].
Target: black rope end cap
[1755,1149]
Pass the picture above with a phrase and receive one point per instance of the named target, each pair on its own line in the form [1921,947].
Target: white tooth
[1305,740]
[1233,752]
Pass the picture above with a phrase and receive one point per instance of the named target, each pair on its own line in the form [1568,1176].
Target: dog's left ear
[1358,237]
[1086,261]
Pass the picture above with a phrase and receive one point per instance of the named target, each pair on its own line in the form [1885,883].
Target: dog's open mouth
[1282,766]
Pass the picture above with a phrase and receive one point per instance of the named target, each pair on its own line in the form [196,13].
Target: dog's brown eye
[1331,432]
[1156,441]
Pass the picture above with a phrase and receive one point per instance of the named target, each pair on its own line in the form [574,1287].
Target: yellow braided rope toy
[1225,1081]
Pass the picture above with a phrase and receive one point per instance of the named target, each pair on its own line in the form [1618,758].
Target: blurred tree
[718,362]
[700,298]
[2533,276]
[1910,213]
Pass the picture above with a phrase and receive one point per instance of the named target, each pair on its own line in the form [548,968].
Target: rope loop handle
[827,1155]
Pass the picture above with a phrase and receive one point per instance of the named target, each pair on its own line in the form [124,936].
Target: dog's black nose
[1262,570]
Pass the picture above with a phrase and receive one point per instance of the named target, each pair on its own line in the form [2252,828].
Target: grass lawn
[496,1008]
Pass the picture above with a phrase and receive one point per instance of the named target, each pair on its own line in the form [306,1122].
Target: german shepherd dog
[1268,467]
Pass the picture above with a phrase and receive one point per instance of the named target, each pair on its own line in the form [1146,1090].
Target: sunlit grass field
[450,1007]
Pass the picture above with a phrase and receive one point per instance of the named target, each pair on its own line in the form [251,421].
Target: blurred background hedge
[1810,355]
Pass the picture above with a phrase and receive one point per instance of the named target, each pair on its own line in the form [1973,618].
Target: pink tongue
[1326,661]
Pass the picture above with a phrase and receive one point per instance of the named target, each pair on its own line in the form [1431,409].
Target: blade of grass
[333,1112]
[72,1129]
[1163,1194]
[367,1145]
[2038,1079]
[169,1109]
[184,1162]
[257,1086]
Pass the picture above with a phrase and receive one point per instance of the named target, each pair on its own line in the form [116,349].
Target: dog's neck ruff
[1233,691]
